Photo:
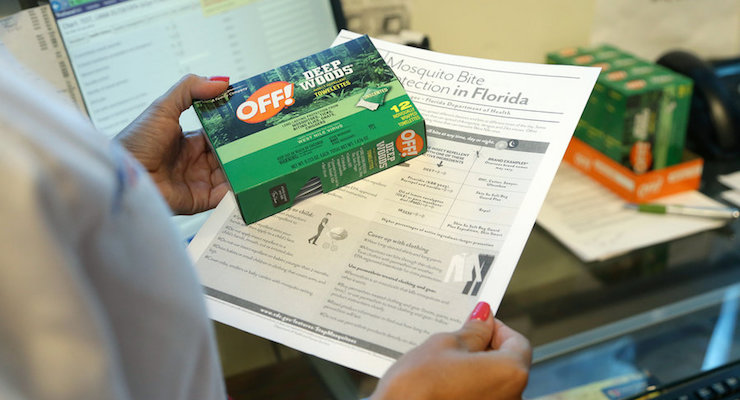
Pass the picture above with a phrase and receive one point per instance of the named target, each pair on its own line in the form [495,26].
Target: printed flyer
[362,274]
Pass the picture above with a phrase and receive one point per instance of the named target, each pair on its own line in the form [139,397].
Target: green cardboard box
[638,110]
[586,55]
[311,126]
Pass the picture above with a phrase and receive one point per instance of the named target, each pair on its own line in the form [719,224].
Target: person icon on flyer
[319,229]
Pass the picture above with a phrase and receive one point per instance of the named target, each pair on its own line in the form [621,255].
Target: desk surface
[664,299]
[638,313]
[553,295]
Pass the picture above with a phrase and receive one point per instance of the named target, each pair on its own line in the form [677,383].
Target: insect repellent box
[638,111]
[311,126]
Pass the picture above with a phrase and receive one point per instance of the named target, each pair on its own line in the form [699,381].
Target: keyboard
[716,384]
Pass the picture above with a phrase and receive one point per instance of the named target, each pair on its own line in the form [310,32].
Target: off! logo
[409,143]
[636,84]
[616,75]
[266,102]
[641,157]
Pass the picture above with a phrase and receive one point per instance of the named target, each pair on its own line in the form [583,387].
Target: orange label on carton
[628,184]
[266,102]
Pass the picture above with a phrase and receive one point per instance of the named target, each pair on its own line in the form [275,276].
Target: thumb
[191,87]
[476,333]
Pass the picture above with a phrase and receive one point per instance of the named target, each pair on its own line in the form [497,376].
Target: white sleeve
[53,341]
[98,298]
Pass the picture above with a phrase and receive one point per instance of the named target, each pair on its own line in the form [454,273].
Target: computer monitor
[125,53]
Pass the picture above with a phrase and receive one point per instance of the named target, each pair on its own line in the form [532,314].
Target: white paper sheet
[408,251]
[594,224]
[733,182]
[31,37]
[648,29]
[730,180]
[732,196]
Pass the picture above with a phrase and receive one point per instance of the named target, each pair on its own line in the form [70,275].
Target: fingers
[483,332]
[192,87]
[511,342]
[483,359]
[476,333]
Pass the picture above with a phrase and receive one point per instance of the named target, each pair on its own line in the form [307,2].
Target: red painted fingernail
[219,78]
[481,311]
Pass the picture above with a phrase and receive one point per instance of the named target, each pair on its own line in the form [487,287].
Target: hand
[182,165]
[484,360]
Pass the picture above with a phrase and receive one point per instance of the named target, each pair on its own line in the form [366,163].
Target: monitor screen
[126,53]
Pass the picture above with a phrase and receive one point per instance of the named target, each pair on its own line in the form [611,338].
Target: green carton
[311,126]
[638,110]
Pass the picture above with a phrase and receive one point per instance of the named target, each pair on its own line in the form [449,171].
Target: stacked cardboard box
[638,111]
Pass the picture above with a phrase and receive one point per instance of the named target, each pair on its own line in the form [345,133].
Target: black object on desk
[716,384]
[714,120]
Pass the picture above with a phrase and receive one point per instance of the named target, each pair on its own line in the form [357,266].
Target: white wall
[514,30]
[525,30]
